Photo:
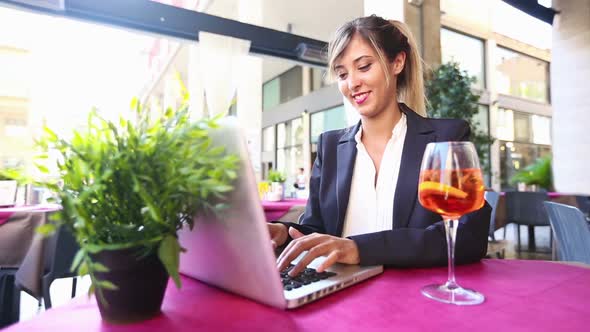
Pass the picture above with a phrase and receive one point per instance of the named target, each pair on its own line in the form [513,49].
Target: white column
[570,69]
[195,82]
[493,112]
[305,120]
[249,97]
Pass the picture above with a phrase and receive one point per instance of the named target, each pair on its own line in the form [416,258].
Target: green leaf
[106,285]
[169,254]
[83,269]
[50,135]
[100,268]
[77,259]
[42,168]
[46,229]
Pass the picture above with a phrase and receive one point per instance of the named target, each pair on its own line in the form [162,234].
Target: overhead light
[308,52]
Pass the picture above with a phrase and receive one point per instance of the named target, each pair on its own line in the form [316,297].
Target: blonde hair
[388,39]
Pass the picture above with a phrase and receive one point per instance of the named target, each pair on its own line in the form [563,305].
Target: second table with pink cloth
[277,210]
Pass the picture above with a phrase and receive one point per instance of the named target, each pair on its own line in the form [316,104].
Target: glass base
[453,294]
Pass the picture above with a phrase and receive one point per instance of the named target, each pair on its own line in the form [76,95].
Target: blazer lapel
[346,156]
[419,133]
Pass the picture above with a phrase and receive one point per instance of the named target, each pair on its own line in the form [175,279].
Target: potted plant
[126,188]
[536,174]
[277,185]
[8,187]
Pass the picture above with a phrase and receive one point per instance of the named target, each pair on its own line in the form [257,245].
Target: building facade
[279,94]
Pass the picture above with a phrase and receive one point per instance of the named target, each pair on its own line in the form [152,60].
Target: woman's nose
[353,82]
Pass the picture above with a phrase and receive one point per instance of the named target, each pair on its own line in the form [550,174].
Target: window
[281,89]
[483,119]
[271,93]
[523,127]
[467,51]
[333,118]
[523,139]
[291,84]
[290,149]
[15,127]
[318,78]
[268,139]
[521,75]
[515,156]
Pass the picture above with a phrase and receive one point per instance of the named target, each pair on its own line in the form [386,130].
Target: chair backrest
[59,251]
[571,232]
[492,198]
[583,203]
[526,208]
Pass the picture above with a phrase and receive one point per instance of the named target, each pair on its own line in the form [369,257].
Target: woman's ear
[398,63]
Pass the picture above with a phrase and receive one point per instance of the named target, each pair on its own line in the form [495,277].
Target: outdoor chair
[526,208]
[572,235]
[495,247]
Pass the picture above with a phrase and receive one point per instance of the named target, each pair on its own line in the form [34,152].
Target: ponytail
[410,82]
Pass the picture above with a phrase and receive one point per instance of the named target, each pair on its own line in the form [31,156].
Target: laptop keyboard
[306,277]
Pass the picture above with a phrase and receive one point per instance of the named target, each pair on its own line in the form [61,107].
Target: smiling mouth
[361,97]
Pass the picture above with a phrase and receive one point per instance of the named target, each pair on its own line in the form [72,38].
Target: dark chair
[526,208]
[9,308]
[59,251]
[492,198]
[583,203]
[572,234]
[495,247]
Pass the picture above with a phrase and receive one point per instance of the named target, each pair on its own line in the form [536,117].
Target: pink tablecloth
[6,213]
[275,210]
[520,296]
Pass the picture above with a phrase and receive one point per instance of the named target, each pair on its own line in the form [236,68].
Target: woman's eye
[342,76]
[365,67]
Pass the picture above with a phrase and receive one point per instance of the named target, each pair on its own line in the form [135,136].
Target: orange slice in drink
[437,188]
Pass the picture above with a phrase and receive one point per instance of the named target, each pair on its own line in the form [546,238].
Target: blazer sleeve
[415,247]
[312,221]
[422,247]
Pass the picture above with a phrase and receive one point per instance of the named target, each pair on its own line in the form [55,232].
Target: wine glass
[451,185]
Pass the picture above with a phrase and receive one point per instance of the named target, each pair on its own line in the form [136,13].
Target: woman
[363,206]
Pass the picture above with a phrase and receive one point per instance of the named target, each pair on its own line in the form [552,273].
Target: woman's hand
[337,250]
[278,234]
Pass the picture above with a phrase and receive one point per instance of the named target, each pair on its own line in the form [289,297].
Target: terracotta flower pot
[141,283]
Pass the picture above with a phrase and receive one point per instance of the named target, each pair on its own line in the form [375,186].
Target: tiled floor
[61,288]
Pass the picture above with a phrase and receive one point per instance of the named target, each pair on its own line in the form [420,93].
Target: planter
[8,192]
[141,283]
[277,190]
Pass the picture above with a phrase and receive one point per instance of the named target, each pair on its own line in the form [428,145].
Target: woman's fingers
[278,234]
[318,250]
[332,258]
[294,233]
[296,247]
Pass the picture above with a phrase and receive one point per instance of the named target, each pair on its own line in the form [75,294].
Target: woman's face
[361,78]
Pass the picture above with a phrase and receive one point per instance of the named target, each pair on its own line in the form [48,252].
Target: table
[285,210]
[17,231]
[21,254]
[520,295]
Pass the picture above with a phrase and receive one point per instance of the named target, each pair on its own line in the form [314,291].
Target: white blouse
[370,207]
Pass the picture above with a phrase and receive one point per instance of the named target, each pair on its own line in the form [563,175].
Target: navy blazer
[418,236]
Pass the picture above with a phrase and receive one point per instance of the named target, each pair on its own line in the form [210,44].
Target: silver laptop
[234,251]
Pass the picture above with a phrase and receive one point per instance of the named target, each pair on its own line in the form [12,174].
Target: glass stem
[451,232]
